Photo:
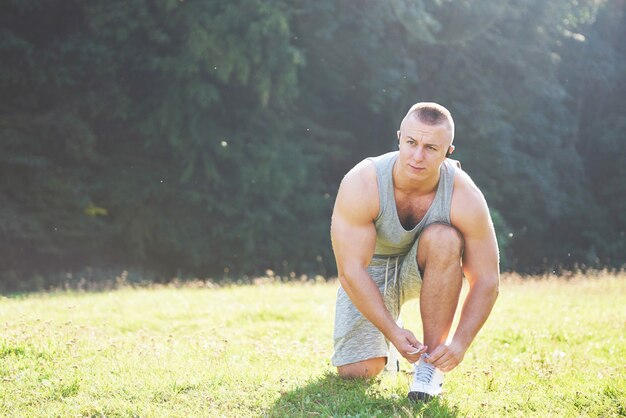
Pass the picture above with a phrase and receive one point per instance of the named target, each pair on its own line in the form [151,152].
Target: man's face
[422,148]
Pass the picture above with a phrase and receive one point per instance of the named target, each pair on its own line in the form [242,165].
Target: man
[410,224]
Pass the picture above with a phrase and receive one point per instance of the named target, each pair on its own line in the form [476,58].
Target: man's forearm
[476,309]
[366,296]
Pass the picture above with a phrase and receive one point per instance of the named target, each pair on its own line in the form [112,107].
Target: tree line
[208,138]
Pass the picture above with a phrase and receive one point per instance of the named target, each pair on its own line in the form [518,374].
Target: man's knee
[440,240]
[363,369]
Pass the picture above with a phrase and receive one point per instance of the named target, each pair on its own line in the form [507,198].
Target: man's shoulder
[366,170]
[468,200]
[463,183]
[361,177]
[358,192]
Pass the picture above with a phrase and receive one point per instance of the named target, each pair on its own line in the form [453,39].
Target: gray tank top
[391,237]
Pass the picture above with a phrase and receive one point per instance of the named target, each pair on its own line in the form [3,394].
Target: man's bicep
[352,229]
[353,244]
[471,217]
[480,256]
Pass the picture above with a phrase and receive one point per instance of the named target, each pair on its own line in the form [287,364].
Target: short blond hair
[431,114]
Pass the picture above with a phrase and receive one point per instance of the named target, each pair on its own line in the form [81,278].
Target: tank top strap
[443,200]
[384,169]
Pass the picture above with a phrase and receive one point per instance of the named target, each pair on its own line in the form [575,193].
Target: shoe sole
[419,397]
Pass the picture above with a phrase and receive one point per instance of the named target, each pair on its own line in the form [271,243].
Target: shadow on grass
[330,395]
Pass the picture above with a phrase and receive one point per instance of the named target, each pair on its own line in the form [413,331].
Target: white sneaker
[427,381]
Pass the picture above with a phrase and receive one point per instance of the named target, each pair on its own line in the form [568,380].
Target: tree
[209,138]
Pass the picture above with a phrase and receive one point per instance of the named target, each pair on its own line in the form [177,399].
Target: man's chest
[412,209]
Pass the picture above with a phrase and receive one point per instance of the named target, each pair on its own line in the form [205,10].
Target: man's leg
[366,368]
[439,258]
[360,348]
[439,252]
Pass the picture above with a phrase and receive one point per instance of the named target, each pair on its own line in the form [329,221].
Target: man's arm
[470,215]
[354,239]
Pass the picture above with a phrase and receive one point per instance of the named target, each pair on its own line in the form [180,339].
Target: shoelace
[424,372]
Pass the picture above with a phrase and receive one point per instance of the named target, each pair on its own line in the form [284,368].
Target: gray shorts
[356,338]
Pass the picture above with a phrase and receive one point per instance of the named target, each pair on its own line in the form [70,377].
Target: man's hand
[407,345]
[446,357]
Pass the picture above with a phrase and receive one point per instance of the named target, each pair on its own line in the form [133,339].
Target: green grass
[550,348]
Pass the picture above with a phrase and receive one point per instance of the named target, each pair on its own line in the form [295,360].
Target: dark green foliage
[209,138]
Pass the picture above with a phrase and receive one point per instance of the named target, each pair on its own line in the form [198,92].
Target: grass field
[551,348]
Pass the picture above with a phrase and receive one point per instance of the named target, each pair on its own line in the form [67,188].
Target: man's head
[431,114]
[425,139]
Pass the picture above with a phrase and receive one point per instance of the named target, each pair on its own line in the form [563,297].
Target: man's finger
[438,362]
[418,349]
[413,341]
[436,354]
[448,366]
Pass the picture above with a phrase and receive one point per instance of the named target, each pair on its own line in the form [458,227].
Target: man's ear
[398,135]
[450,151]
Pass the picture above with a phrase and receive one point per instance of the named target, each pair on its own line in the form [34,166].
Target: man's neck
[414,187]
